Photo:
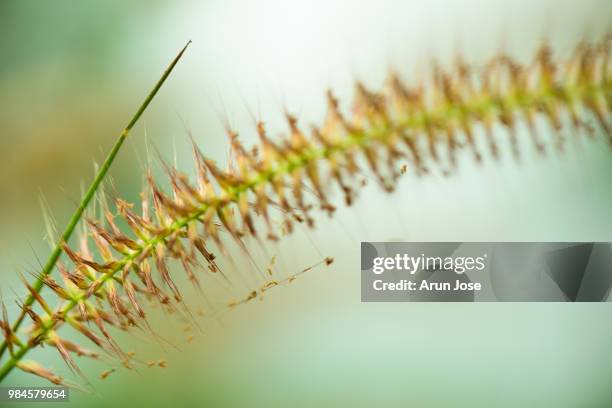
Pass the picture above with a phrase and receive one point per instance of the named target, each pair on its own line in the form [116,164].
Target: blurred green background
[71,75]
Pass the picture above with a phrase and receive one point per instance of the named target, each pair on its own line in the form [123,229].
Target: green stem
[57,251]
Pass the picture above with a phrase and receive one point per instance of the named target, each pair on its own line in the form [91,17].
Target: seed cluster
[399,129]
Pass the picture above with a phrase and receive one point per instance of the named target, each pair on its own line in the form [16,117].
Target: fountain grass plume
[460,110]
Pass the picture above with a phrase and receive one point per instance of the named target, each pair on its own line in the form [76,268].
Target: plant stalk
[89,194]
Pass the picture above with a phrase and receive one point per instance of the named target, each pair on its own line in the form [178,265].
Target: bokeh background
[71,75]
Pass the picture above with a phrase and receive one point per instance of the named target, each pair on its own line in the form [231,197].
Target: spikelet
[426,125]
[33,367]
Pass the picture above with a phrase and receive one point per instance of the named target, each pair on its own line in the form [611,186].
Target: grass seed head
[400,129]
